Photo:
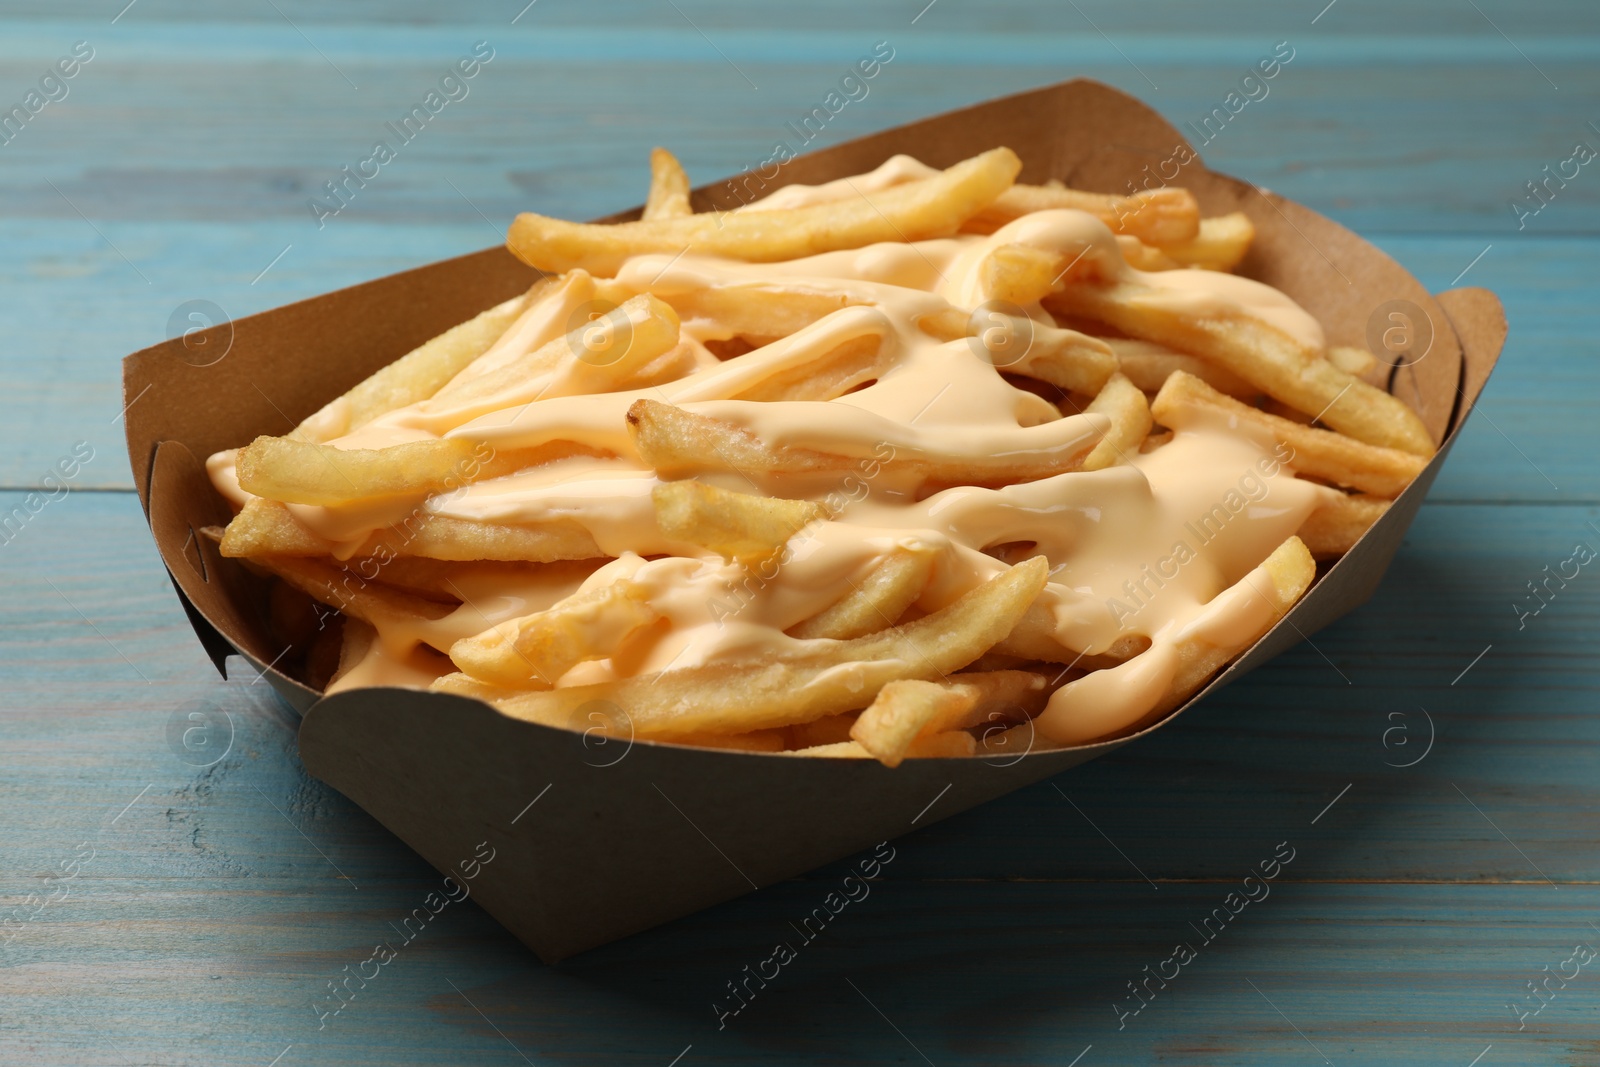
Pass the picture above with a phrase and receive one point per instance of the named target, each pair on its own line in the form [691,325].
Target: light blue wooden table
[156,912]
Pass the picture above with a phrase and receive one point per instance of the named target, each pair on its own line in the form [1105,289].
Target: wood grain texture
[218,902]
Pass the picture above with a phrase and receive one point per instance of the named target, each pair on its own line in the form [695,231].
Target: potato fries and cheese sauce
[862,469]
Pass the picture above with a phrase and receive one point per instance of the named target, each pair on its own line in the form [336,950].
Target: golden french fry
[754,741]
[1356,362]
[831,375]
[738,526]
[669,187]
[910,709]
[954,745]
[1335,527]
[755,310]
[1066,358]
[1258,352]
[371,602]
[1222,243]
[677,442]
[1020,274]
[596,356]
[831,730]
[265,528]
[934,207]
[300,472]
[901,711]
[1141,256]
[1155,216]
[878,602]
[416,375]
[809,683]
[1148,365]
[1129,412]
[1262,597]
[1323,454]
[536,650]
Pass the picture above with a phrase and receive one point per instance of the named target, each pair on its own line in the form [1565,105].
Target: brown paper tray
[621,837]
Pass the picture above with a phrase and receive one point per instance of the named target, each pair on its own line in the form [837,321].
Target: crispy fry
[806,683]
[878,602]
[1222,243]
[418,374]
[1383,472]
[909,709]
[935,207]
[738,526]
[953,745]
[677,442]
[1192,656]
[1335,527]
[1259,353]
[1356,362]
[372,602]
[755,310]
[300,472]
[831,730]
[596,356]
[1129,411]
[536,650]
[1155,216]
[265,528]
[669,187]
[1020,274]
[1141,256]
[1148,365]
[833,374]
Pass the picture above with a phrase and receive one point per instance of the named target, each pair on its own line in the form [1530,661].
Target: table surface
[1431,760]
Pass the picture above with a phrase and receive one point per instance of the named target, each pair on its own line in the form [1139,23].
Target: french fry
[300,472]
[755,310]
[1155,216]
[1259,353]
[1221,244]
[831,730]
[808,683]
[953,745]
[878,602]
[1148,365]
[594,357]
[1129,412]
[265,528]
[1335,527]
[833,374]
[1020,274]
[911,708]
[1066,358]
[417,375]
[1262,597]
[1383,472]
[935,207]
[1356,362]
[371,602]
[677,442]
[536,650]
[669,187]
[737,526]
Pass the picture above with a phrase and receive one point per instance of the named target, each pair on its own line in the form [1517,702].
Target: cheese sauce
[1148,547]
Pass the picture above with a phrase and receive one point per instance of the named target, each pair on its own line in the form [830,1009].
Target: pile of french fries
[612,363]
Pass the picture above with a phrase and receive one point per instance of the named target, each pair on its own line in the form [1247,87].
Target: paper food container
[594,841]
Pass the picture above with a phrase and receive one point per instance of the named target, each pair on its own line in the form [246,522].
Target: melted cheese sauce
[1147,547]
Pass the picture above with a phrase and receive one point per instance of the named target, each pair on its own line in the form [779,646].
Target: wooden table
[1431,761]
